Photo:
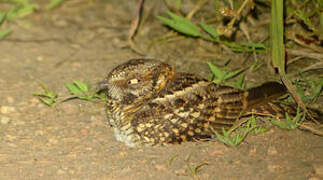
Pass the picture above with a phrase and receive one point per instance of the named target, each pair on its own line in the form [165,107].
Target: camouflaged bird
[148,103]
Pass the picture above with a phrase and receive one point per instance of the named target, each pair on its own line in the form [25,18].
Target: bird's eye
[133,81]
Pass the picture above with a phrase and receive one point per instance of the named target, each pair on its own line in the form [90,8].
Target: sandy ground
[83,41]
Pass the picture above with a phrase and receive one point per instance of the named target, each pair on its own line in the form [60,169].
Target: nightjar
[148,103]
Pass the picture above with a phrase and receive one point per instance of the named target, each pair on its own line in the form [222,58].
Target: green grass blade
[277,35]
[317,89]
[321,23]
[209,29]
[84,87]
[218,73]
[5,33]
[2,17]
[181,24]
[54,3]
[73,89]
[305,20]
[232,74]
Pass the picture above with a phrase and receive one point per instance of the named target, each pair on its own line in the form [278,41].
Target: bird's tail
[264,93]
[261,101]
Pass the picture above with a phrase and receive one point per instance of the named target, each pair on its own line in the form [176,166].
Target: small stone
[5,120]
[71,171]
[40,58]
[19,123]
[273,167]
[252,151]
[160,167]
[60,172]
[10,137]
[180,172]
[318,168]
[93,118]
[39,132]
[53,141]
[84,131]
[272,151]
[7,109]
[10,99]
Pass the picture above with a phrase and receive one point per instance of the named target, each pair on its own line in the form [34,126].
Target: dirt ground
[84,41]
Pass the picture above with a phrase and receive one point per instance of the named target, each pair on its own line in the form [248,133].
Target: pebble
[273,167]
[272,151]
[71,171]
[39,132]
[10,99]
[60,172]
[40,58]
[10,137]
[53,141]
[19,123]
[84,131]
[160,167]
[318,169]
[7,109]
[252,151]
[5,120]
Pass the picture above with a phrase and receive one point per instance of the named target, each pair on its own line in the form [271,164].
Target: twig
[299,52]
[233,20]
[134,28]
[292,91]
[135,23]
[311,129]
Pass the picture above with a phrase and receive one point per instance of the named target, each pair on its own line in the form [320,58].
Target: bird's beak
[102,86]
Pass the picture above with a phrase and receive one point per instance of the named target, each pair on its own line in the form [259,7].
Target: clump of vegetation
[78,90]
[219,76]
[83,91]
[48,97]
[234,136]
[18,9]
[290,123]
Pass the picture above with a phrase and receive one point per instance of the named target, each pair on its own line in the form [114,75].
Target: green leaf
[254,45]
[209,29]
[232,74]
[317,89]
[21,9]
[321,24]
[2,17]
[305,20]
[240,82]
[84,87]
[5,33]
[277,35]
[219,74]
[47,97]
[54,4]
[82,91]
[73,89]
[290,123]
[181,24]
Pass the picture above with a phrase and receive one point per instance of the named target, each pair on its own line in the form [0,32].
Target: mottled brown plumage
[148,103]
